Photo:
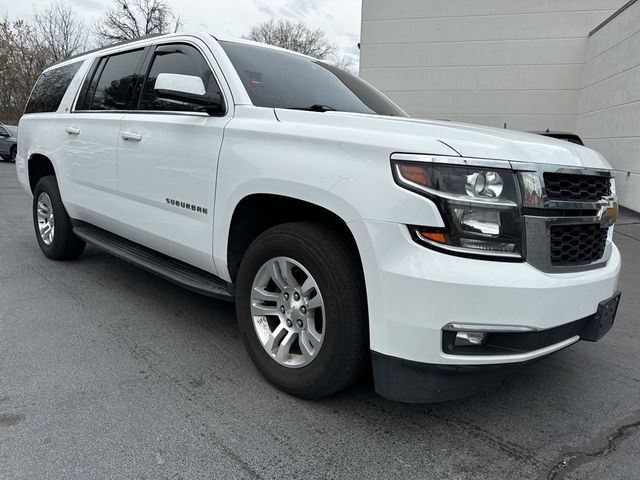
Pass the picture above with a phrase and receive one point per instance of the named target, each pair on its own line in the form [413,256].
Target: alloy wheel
[46,219]
[288,312]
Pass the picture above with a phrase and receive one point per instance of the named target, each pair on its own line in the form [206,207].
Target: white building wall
[490,62]
[609,112]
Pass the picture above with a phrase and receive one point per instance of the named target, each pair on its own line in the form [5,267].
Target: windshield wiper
[315,108]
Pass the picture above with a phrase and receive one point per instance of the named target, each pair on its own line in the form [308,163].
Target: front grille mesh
[580,188]
[577,244]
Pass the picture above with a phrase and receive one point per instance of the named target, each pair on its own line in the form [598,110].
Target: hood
[466,140]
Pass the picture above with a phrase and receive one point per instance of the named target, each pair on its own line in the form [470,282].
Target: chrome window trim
[147,112]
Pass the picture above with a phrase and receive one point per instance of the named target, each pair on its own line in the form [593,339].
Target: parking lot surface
[109,372]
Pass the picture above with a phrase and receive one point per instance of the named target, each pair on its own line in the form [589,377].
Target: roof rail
[118,44]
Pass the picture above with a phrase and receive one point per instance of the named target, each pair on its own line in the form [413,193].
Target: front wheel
[13,153]
[301,308]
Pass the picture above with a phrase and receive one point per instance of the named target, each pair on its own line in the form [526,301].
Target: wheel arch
[258,212]
[39,166]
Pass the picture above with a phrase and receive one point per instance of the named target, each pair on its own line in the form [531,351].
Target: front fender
[330,167]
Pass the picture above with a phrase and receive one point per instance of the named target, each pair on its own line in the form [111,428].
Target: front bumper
[413,292]
[414,382]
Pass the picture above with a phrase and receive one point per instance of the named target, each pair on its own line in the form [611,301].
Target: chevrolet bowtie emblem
[608,214]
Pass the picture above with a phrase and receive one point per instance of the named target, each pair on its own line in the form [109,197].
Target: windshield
[12,130]
[277,79]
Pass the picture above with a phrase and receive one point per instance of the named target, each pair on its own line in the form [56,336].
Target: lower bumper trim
[414,382]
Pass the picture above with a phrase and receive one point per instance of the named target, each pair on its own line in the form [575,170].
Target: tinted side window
[181,59]
[277,79]
[50,88]
[3,131]
[115,84]
[88,89]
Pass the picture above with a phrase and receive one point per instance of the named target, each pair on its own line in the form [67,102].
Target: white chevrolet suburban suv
[441,255]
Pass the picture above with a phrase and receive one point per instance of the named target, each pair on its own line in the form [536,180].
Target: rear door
[93,132]
[168,160]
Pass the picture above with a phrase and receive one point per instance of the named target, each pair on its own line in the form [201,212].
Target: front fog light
[470,339]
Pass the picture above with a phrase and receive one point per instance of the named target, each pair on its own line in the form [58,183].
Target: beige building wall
[609,111]
[491,62]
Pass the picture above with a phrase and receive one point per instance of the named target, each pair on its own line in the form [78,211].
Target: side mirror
[188,89]
[4,135]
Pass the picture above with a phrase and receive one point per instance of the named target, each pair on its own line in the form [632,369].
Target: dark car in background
[8,142]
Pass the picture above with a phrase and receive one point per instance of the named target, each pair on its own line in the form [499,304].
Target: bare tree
[60,31]
[22,59]
[294,36]
[129,19]
[343,62]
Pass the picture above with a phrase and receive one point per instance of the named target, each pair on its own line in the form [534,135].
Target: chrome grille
[566,216]
[581,188]
[573,245]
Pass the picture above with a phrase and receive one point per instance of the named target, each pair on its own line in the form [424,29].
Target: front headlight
[479,205]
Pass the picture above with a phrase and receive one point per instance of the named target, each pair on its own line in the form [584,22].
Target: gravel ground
[109,372]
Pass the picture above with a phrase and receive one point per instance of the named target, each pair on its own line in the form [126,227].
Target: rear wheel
[13,153]
[301,309]
[52,223]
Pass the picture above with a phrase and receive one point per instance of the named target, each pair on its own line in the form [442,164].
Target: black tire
[336,268]
[65,245]
[13,153]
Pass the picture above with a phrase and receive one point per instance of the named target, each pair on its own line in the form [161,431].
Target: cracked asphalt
[109,372]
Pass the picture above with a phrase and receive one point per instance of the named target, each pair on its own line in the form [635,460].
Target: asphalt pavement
[109,372]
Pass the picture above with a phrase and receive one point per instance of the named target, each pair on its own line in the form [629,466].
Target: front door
[168,161]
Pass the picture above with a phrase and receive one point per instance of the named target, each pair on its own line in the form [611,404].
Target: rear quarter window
[50,89]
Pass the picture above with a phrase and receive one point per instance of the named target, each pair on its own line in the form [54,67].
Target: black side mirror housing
[213,104]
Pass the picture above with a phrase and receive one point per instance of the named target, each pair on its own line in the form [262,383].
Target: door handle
[130,136]
[72,130]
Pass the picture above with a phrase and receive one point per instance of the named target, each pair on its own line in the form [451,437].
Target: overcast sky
[340,19]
